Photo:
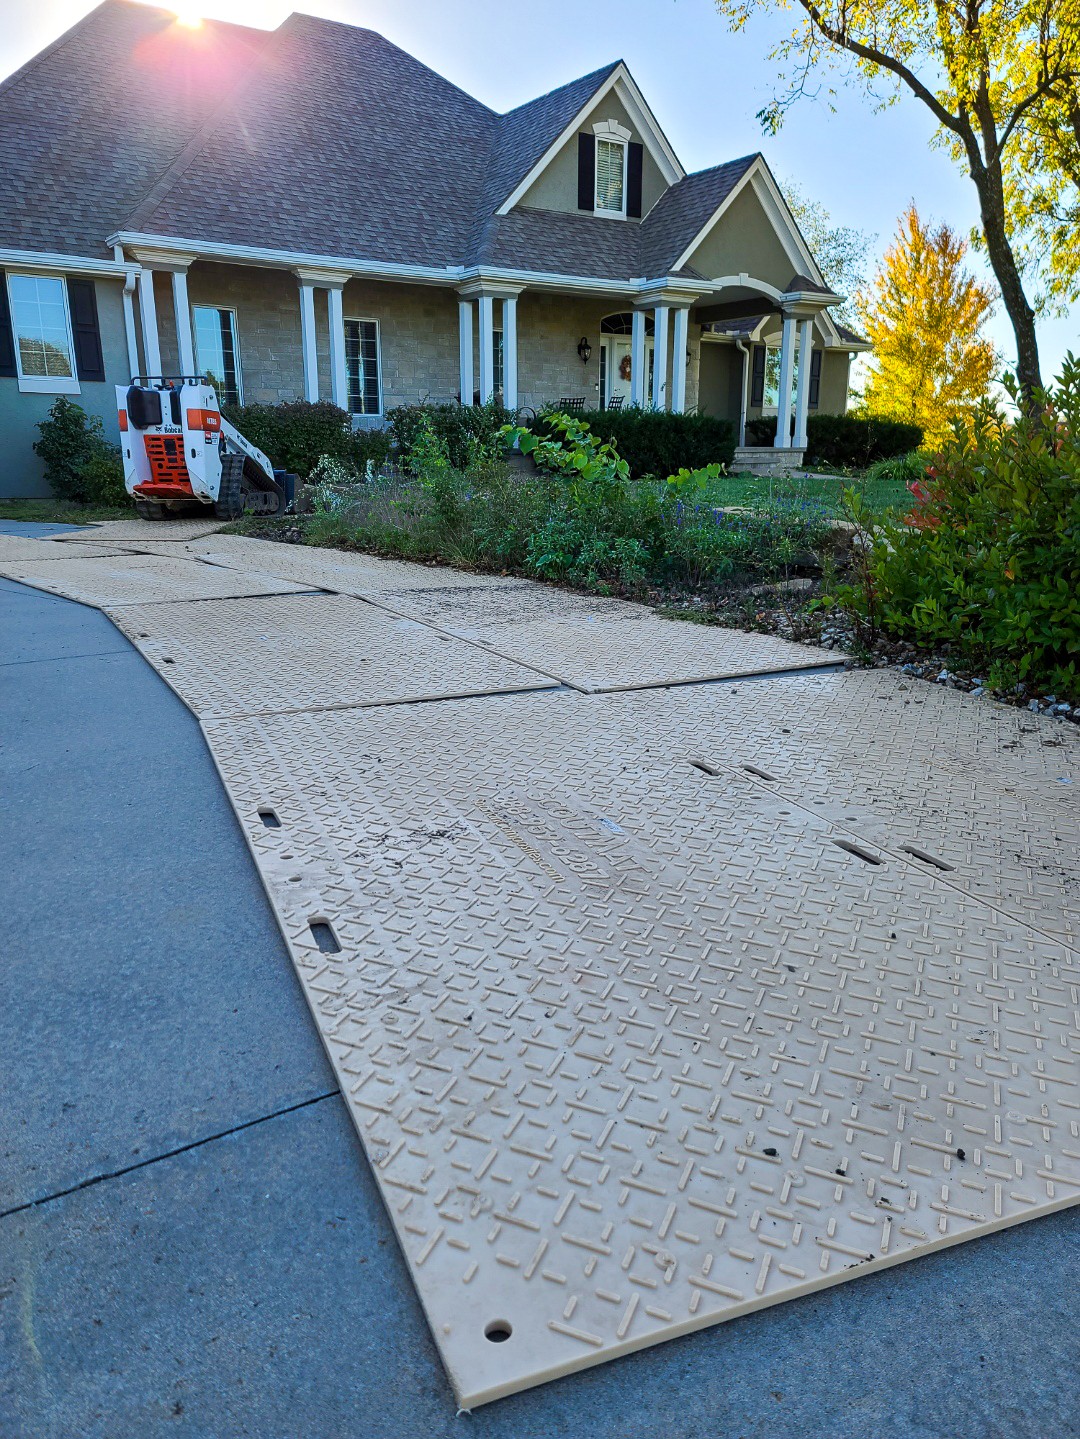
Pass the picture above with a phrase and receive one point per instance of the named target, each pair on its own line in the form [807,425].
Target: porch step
[766,460]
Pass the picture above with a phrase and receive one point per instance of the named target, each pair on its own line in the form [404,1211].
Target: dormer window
[610,176]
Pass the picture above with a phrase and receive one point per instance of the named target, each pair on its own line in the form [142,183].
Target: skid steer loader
[180,453]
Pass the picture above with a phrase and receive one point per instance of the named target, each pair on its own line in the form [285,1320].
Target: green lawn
[825,490]
[60,512]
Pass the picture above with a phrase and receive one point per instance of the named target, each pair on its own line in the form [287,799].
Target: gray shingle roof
[89,124]
[318,138]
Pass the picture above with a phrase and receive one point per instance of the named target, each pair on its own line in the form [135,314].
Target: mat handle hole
[269,819]
[854,849]
[926,856]
[705,768]
[760,773]
[498,1331]
[324,936]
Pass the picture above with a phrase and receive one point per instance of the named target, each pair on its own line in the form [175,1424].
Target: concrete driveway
[191,1240]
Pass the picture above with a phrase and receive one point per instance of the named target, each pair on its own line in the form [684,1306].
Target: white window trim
[365,419]
[611,139]
[44,384]
[206,305]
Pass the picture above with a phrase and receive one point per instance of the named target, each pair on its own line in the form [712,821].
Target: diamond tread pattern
[146,531]
[308,652]
[633,1048]
[16,548]
[140,579]
[987,791]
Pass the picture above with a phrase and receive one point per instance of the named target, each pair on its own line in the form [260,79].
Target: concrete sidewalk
[192,1242]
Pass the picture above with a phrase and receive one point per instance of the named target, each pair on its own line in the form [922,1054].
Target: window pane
[39,320]
[772,379]
[216,351]
[609,176]
[362,366]
[498,365]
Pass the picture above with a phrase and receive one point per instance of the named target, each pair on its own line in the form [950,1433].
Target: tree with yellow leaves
[1000,78]
[924,314]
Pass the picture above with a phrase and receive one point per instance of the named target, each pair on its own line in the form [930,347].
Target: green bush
[80,464]
[659,442]
[988,560]
[846,442]
[464,430]
[296,435]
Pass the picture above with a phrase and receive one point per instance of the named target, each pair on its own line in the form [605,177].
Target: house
[311,212]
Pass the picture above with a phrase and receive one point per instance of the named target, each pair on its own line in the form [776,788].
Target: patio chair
[572,406]
[616,402]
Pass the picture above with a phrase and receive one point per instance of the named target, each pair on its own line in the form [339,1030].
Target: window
[41,326]
[497,366]
[610,177]
[362,367]
[217,353]
[772,380]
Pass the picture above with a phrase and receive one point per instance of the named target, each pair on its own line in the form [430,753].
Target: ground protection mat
[632,1047]
[135,530]
[21,548]
[140,579]
[346,571]
[308,651]
[985,795]
[600,653]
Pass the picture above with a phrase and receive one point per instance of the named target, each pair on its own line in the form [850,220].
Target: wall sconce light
[584,350]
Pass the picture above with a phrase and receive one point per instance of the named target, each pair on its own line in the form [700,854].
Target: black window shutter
[7,340]
[757,382]
[815,377]
[82,300]
[635,155]
[586,172]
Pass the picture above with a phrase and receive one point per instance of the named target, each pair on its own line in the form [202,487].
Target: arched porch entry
[616,357]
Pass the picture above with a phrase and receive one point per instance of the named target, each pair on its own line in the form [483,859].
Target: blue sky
[704,84]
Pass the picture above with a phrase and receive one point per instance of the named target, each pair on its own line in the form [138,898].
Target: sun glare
[188,13]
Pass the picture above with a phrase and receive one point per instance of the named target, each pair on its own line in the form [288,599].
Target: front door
[617,369]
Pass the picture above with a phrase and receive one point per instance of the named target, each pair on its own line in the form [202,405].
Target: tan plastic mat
[25,548]
[601,653]
[139,579]
[634,1048]
[300,652]
[136,530]
[346,571]
[986,796]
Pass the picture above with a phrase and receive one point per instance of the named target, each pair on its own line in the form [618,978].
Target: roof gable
[615,78]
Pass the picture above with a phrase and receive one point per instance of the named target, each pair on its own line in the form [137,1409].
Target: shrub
[80,464]
[297,434]
[847,442]
[988,560]
[466,431]
[659,442]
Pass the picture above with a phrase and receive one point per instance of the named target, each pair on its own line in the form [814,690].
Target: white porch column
[129,324]
[660,357]
[783,399]
[487,348]
[678,358]
[339,382]
[510,384]
[802,388]
[185,346]
[465,351]
[637,358]
[148,316]
[307,340]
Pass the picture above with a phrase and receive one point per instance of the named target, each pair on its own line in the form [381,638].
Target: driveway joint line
[167,1154]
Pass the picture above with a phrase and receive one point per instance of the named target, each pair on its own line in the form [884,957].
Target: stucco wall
[721,381]
[556,188]
[744,241]
[833,395]
[20,469]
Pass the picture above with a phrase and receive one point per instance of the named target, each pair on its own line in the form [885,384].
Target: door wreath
[624,368]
